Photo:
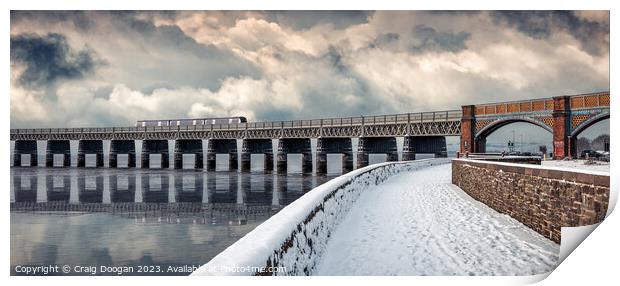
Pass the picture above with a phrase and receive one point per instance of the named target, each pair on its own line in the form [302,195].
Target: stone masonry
[542,199]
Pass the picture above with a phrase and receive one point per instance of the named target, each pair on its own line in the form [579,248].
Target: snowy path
[417,223]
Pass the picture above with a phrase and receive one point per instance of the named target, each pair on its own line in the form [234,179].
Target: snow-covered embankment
[294,238]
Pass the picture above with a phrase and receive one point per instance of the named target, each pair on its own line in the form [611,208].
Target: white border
[595,261]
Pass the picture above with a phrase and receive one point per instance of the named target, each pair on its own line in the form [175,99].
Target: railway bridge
[424,132]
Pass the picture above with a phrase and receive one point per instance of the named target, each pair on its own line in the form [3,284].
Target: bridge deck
[417,223]
[423,123]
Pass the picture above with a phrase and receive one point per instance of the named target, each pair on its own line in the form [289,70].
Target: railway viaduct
[563,116]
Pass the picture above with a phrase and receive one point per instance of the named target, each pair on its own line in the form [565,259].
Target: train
[191,121]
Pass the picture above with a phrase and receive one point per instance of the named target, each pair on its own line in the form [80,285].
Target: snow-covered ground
[577,165]
[417,223]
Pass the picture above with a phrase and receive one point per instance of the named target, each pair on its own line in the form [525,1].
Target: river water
[89,218]
[95,217]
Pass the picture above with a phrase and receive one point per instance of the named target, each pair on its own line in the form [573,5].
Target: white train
[191,121]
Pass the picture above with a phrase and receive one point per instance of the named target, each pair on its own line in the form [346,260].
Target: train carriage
[190,121]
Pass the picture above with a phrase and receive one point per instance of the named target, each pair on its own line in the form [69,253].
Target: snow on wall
[291,241]
[544,199]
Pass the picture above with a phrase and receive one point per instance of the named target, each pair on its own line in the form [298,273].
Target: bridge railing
[449,115]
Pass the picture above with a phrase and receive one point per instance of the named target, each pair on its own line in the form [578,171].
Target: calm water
[136,217]
[145,217]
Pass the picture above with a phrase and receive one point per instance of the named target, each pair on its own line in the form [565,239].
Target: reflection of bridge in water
[186,197]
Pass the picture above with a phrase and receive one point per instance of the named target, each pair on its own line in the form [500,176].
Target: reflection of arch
[589,122]
[482,134]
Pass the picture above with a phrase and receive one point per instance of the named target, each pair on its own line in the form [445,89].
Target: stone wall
[541,198]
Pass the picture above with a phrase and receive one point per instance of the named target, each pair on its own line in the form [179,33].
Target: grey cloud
[300,20]
[185,62]
[542,24]
[49,58]
[384,40]
[81,20]
[209,67]
[427,38]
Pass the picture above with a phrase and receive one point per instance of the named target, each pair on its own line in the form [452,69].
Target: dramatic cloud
[589,27]
[49,58]
[429,39]
[294,64]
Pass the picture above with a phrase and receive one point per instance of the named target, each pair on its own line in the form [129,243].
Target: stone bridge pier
[222,146]
[256,146]
[294,146]
[90,147]
[122,147]
[185,146]
[408,148]
[155,147]
[376,145]
[326,146]
[58,147]
[426,145]
[25,147]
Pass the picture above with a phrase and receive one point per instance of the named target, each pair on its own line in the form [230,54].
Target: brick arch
[494,125]
[482,134]
[587,123]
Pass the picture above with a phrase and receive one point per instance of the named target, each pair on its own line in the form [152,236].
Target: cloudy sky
[102,68]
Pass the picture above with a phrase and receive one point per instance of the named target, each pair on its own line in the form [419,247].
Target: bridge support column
[468,129]
[155,147]
[321,162]
[326,146]
[306,162]
[362,153]
[561,127]
[25,147]
[246,161]
[256,146]
[122,147]
[269,162]
[184,146]
[347,162]
[376,145]
[165,160]
[282,161]
[112,160]
[210,161]
[233,163]
[408,149]
[222,146]
[199,160]
[90,147]
[294,146]
[58,147]
[392,157]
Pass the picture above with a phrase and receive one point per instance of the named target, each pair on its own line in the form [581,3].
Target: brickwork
[468,125]
[564,116]
[542,199]
[561,129]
